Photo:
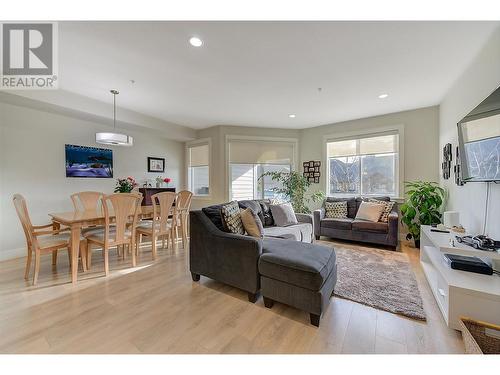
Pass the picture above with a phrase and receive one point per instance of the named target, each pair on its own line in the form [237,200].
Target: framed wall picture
[312,170]
[156,165]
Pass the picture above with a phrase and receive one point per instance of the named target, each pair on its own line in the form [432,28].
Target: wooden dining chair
[162,225]
[120,223]
[182,206]
[40,239]
[86,200]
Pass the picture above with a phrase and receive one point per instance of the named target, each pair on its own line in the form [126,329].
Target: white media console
[459,293]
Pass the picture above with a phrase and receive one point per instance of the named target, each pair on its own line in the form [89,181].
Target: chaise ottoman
[298,274]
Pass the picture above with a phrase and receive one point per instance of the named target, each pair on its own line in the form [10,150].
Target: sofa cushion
[370,226]
[370,211]
[298,232]
[251,223]
[266,213]
[215,215]
[384,218]
[231,218]
[255,206]
[336,210]
[301,264]
[344,224]
[351,205]
[283,215]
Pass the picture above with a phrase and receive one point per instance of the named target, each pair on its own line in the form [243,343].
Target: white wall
[480,79]
[32,162]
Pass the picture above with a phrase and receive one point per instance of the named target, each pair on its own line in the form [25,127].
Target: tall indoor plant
[294,187]
[422,207]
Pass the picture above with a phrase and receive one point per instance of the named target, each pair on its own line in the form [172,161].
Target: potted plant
[294,187]
[125,185]
[422,207]
[167,180]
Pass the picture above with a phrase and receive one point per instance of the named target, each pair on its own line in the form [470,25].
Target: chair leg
[37,266]
[124,250]
[153,246]
[88,250]
[134,261]
[163,242]
[28,265]
[83,254]
[69,257]
[172,237]
[106,261]
[54,258]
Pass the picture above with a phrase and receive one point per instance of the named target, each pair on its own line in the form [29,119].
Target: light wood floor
[156,308]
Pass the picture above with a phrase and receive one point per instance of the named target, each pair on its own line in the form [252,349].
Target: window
[364,166]
[251,158]
[198,169]
[245,182]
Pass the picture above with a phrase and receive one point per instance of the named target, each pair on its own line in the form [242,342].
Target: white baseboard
[12,253]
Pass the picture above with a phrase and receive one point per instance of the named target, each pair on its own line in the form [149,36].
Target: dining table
[76,220]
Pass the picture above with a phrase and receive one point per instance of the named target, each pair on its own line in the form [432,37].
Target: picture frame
[316,180]
[156,165]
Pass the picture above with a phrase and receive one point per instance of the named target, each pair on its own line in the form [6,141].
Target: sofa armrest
[304,218]
[318,215]
[393,228]
[226,257]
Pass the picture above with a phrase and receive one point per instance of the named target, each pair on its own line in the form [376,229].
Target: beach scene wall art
[85,161]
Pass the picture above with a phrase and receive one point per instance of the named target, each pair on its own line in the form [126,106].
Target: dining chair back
[22,213]
[162,207]
[124,208]
[182,206]
[86,200]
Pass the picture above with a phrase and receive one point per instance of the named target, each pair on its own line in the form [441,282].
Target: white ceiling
[256,73]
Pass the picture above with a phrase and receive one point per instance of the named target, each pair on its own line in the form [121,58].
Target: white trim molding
[397,128]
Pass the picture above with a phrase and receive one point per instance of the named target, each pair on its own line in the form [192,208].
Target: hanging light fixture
[114,139]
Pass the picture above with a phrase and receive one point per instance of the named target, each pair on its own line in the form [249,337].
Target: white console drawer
[442,294]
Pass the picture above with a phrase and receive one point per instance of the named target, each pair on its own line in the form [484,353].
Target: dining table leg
[75,251]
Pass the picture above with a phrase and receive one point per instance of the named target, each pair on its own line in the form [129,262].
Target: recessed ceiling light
[291,116]
[195,41]
[383,96]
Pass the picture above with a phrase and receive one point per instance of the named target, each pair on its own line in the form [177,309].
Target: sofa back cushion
[254,205]
[351,205]
[215,215]
[283,215]
[384,218]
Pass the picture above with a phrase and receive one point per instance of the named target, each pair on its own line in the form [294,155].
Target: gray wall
[32,162]
[480,79]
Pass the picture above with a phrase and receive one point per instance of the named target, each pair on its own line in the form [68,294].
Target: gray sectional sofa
[357,230]
[285,263]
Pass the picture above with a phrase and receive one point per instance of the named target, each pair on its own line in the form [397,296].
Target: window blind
[382,144]
[260,152]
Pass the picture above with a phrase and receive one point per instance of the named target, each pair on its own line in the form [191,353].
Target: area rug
[379,278]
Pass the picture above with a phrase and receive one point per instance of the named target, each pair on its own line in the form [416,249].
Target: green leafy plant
[125,185]
[422,206]
[294,188]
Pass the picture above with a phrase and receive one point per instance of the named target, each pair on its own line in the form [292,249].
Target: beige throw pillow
[387,209]
[370,211]
[336,210]
[252,223]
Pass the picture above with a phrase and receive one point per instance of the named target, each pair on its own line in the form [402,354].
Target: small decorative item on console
[479,242]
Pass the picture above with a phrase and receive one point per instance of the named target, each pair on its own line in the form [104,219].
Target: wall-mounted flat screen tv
[479,141]
[84,161]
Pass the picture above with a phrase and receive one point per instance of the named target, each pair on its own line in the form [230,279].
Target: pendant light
[114,139]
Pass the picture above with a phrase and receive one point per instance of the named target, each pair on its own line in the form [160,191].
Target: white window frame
[380,131]
[294,142]
[200,142]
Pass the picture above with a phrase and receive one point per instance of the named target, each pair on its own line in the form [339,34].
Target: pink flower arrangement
[167,180]
[125,185]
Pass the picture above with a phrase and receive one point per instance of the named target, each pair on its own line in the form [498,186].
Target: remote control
[440,231]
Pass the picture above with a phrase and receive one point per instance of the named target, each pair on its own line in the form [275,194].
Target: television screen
[83,161]
[479,141]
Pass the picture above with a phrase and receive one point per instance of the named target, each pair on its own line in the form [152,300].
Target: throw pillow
[283,215]
[266,213]
[370,211]
[231,218]
[336,210]
[252,223]
[215,215]
[387,210]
